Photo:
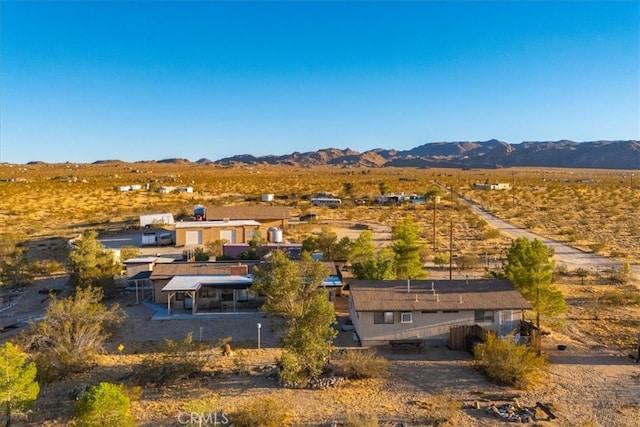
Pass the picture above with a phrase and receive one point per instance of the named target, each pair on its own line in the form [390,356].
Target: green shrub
[360,364]
[105,404]
[506,362]
[264,411]
[292,371]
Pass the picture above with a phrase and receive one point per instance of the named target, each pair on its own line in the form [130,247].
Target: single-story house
[191,233]
[425,310]
[267,216]
[204,286]
[491,186]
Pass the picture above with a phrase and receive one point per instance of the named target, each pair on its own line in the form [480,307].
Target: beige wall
[427,326]
[211,234]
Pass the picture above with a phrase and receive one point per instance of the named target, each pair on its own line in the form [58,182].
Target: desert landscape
[591,381]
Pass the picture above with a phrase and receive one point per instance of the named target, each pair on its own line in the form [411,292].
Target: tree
[327,243]
[384,188]
[14,268]
[91,264]
[105,404]
[215,248]
[72,332]
[362,248]
[530,268]
[366,263]
[128,252]
[294,291]
[18,386]
[407,249]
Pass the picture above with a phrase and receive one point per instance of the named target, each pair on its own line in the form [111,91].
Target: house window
[383,317]
[484,316]
[450,311]
[406,317]
[429,311]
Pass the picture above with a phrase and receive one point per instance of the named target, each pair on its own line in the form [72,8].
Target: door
[193,237]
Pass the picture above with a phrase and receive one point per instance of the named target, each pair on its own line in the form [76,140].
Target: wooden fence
[458,336]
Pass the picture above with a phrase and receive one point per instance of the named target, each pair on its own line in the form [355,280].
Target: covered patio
[210,293]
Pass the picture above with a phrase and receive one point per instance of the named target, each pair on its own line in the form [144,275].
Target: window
[383,317]
[484,316]
[450,311]
[429,311]
[406,317]
[179,296]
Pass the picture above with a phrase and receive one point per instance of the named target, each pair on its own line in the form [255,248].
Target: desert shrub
[105,404]
[443,409]
[360,364]
[492,233]
[468,261]
[621,297]
[506,362]
[199,254]
[264,411]
[360,420]
[175,361]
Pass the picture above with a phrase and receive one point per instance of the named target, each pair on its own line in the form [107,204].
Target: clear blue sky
[85,81]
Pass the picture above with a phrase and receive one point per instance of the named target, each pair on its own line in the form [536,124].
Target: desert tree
[407,249]
[128,252]
[294,291]
[18,386]
[14,267]
[366,263]
[72,333]
[327,242]
[530,268]
[90,263]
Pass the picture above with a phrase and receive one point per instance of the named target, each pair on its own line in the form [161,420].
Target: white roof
[201,224]
[146,260]
[194,283]
[332,282]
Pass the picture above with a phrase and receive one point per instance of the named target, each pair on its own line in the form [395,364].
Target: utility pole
[451,250]
[513,190]
[434,224]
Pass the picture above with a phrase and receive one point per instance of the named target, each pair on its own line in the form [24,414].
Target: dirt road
[564,254]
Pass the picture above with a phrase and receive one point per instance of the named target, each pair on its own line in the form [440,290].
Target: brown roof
[392,295]
[247,212]
[164,271]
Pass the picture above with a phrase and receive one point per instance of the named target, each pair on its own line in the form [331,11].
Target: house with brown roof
[426,310]
[203,286]
[235,224]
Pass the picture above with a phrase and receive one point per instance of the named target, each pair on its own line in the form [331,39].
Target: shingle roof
[247,212]
[164,271]
[392,295]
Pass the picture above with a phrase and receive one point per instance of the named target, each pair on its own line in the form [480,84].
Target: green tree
[327,243]
[14,268]
[294,291]
[407,249]
[91,264]
[215,248]
[72,333]
[362,248]
[530,268]
[129,252]
[18,386]
[105,404]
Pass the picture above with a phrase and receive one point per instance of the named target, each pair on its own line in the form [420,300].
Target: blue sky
[85,81]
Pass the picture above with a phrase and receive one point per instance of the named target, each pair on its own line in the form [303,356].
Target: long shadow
[574,359]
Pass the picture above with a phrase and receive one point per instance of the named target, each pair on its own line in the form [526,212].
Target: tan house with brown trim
[196,233]
[425,310]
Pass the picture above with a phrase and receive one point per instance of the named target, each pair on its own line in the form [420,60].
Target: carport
[190,285]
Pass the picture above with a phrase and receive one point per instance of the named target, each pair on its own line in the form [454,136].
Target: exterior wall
[211,234]
[160,297]
[426,326]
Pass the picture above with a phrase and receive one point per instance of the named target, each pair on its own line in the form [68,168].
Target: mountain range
[468,154]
